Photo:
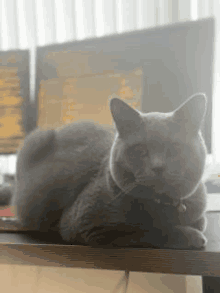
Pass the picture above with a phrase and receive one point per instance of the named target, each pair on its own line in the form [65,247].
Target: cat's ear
[127,120]
[191,113]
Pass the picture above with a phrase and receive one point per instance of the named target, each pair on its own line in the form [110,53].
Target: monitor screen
[154,69]
[14,100]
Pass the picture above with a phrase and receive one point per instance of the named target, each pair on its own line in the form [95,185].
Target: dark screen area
[176,61]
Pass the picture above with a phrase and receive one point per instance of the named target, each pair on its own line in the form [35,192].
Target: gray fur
[98,189]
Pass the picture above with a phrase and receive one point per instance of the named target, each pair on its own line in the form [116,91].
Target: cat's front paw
[200,224]
[185,238]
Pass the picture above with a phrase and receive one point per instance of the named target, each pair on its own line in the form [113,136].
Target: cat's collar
[179,205]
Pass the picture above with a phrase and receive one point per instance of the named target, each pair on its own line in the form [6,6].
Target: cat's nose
[157,164]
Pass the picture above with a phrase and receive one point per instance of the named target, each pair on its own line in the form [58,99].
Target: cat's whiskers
[140,180]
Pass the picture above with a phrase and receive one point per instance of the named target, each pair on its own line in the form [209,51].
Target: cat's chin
[174,187]
[156,192]
[157,186]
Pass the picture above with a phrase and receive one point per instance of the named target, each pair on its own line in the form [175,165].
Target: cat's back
[84,139]
[62,156]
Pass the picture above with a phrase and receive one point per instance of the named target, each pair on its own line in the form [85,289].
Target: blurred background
[26,24]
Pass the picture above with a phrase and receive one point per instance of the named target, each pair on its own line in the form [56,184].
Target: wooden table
[24,248]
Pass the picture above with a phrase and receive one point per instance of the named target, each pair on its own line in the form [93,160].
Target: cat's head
[164,153]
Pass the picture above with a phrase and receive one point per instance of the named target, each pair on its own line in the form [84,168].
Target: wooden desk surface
[22,248]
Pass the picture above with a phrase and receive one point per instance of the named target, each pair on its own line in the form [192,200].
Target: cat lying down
[139,188]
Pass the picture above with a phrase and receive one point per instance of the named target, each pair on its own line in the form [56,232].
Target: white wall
[36,279]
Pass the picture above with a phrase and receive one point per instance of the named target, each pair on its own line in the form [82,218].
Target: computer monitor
[153,69]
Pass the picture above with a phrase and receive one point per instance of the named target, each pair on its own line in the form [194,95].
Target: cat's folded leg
[96,216]
[185,237]
[68,223]
[87,220]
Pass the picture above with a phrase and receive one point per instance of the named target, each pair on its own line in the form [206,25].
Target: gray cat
[139,188]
